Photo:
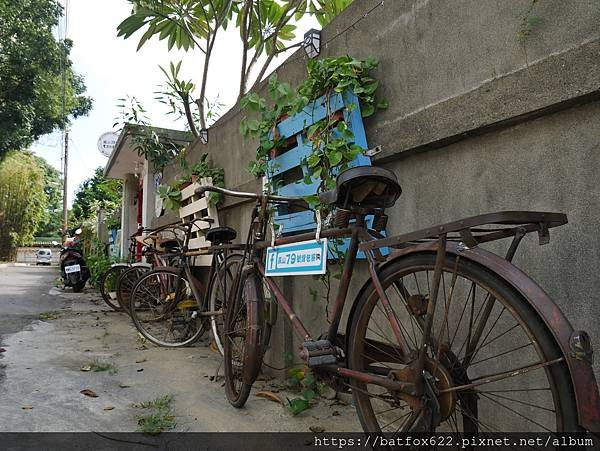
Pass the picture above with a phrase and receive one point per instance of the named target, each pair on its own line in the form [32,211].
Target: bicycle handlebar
[270,197]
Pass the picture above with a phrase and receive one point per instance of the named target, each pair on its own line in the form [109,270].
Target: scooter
[73,269]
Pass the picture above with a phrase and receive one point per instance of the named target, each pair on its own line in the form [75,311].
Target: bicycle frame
[358,234]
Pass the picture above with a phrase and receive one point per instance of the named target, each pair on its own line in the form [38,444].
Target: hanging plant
[330,138]
[171,194]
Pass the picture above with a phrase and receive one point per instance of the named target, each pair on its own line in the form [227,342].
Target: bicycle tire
[243,320]
[216,303]
[151,280]
[126,282]
[110,295]
[472,402]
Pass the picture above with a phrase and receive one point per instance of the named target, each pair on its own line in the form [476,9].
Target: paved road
[43,377]
[24,294]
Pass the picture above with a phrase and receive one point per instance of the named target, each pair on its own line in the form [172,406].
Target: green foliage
[157,148]
[96,192]
[31,80]
[23,201]
[171,197]
[303,380]
[329,137]
[326,11]
[171,194]
[98,263]
[99,366]
[160,417]
[51,224]
[265,27]
[526,24]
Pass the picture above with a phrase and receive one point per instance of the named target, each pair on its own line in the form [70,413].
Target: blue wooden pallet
[293,130]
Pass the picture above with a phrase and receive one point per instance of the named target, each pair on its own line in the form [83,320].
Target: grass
[47,316]
[159,418]
[98,366]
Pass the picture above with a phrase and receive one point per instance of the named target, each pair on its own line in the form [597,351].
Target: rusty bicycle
[443,335]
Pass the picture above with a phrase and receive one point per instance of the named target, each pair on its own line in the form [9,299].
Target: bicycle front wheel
[108,285]
[125,284]
[220,289]
[491,361]
[164,310]
[242,339]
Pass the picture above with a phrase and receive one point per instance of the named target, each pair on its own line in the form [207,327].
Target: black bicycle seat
[220,235]
[364,187]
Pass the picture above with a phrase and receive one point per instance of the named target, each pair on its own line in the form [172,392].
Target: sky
[113,69]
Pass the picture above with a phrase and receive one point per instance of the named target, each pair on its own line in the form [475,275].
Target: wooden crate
[194,206]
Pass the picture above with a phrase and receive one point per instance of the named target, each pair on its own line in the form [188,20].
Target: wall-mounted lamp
[203,135]
[312,43]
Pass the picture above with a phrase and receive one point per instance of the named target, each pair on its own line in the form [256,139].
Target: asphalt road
[25,293]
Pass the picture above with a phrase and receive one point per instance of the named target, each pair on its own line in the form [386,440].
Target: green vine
[526,26]
[330,150]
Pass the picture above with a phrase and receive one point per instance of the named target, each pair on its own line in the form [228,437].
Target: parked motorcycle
[73,269]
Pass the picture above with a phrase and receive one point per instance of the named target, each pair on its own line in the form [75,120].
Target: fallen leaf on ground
[2,350]
[88,392]
[317,429]
[335,413]
[270,395]
[140,360]
[140,370]
[85,368]
[109,408]
[122,385]
[26,407]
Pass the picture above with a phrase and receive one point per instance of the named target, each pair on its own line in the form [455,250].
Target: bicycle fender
[255,321]
[582,375]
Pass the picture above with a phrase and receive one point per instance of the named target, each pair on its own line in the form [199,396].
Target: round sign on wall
[107,142]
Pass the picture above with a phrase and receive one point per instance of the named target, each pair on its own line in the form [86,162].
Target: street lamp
[312,42]
[203,135]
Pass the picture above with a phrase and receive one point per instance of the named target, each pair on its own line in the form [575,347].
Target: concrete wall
[477,123]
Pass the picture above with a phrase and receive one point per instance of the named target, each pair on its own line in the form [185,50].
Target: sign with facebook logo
[297,259]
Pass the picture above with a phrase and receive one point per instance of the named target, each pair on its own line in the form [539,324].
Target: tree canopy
[51,223]
[31,74]
[23,200]
[266,28]
[97,191]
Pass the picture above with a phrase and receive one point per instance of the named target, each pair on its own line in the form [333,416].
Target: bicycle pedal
[318,353]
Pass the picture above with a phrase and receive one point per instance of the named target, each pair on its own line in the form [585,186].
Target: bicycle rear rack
[472,231]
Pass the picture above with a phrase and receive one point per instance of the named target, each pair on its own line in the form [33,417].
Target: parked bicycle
[117,281]
[171,307]
[443,336]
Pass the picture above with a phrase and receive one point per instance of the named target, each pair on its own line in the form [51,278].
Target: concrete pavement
[40,390]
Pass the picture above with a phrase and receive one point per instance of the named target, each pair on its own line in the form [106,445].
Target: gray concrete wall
[477,122]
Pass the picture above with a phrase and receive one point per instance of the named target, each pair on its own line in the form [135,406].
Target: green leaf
[309,394]
[297,405]
[383,105]
[368,110]
[335,157]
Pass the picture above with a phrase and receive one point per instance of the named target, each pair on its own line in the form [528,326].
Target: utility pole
[65,166]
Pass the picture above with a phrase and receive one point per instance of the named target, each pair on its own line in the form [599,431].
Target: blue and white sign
[297,259]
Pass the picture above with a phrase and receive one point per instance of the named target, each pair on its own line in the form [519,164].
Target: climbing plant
[331,150]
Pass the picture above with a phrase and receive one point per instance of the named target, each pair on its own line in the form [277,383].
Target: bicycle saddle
[220,235]
[364,187]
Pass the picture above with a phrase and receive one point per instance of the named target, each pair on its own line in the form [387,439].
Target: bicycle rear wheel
[108,285]
[242,338]
[164,309]
[493,361]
